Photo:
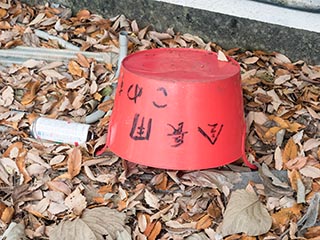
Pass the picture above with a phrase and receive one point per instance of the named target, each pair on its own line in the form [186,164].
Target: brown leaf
[106,105]
[96,223]
[150,226]
[32,88]
[290,151]
[20,161]
[17,145]
[285,215]
[296,163]
[37,19]
[74,162]
[59,186]
[75,84]
[222,57]
[83,14]
[214,211]
[76,202]
[74,68]
[17,151]
[294,177]
[250,60]
[4,25]
[3,12]
[6,213]
[83,61]
[271,133]
[151,199]
[245,213]
[312,233]
[310,171]
[282,58]
[143,222]
[7,97]
[204,222]
[155,231]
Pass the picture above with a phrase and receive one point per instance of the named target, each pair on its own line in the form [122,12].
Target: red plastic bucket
[178,109]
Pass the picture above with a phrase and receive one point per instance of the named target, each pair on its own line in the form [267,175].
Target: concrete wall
[227,29]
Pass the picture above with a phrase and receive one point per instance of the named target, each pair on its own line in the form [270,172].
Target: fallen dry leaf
[98,223]
[280,103]
[250,60]
[290,151]
[7,97]
[245,213]
[32,88]
[285,215]
[74,68]
[204,223]
[6,213]
[76,202]
[155,231]
[74,162]
[310,171]
[222,57]
[15,231]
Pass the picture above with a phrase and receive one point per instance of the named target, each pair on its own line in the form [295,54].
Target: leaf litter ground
[56,191]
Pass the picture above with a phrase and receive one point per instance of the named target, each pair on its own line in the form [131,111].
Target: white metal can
[60,131]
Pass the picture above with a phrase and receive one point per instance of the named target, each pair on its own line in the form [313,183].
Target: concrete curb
[305,5]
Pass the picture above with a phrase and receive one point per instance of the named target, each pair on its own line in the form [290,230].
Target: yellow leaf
[3,12]
[281,122]
[295,127]
[74,162]
[97,96]
[285,215]
[290,151]
[74,68]
[271,133]
[285,124]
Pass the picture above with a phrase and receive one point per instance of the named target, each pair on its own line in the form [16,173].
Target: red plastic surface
[178,109]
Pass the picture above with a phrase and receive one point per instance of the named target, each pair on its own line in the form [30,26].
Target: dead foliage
[50,190]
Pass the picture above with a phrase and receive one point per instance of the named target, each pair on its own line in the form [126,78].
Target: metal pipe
[61,42]
[21,54]
[123,45]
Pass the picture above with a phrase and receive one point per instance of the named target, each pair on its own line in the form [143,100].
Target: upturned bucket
[178,109]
